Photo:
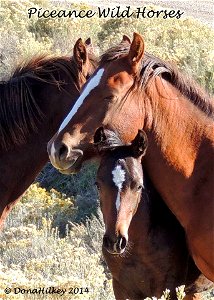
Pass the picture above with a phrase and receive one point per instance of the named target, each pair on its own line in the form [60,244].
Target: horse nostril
[122,242]
[63,151]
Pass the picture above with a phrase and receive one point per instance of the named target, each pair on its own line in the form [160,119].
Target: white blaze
[118,179]
[52,153]
[92,83]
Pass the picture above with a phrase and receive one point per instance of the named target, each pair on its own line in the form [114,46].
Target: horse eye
[97,185]
[139,188]
[108,98]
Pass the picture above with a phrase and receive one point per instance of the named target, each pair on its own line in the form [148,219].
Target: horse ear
[136,51]
[99,136]
[126,39]
[89,46]
[80,53]
[139,144]
[88,42]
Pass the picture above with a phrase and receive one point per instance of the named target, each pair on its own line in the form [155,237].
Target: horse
[33,103]
[144,245]
[132,89]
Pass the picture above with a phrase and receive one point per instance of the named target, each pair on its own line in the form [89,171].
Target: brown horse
[144,245]
[33,103]
[132,90]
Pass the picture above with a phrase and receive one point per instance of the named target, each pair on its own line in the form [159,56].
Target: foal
[144,245]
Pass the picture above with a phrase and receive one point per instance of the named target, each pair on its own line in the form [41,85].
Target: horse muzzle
[115,246]
[64,159]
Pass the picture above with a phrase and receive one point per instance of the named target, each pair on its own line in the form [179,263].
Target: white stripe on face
[52,153]
[118,179]
[92,83]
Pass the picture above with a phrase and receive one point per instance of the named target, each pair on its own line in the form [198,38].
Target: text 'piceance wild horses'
[144,245]
[33,103]
[132,90]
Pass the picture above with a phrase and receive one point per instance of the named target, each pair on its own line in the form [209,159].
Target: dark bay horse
[33,103]
[130,90]
[144,245]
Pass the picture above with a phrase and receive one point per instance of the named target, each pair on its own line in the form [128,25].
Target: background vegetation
[53,237]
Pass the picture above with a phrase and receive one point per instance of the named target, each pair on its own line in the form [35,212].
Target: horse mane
[20,113]
[152,66]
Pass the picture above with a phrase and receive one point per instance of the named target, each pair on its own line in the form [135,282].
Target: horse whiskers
[127,253]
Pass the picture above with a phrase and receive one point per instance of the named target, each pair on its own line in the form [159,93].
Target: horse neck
[175,138]
[48,103]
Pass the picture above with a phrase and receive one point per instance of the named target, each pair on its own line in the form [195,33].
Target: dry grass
[34,255]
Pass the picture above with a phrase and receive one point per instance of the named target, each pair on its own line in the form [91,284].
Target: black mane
[111,142]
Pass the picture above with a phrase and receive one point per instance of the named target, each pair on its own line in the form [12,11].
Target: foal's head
[119,182]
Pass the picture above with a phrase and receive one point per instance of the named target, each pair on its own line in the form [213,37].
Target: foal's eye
[97,185]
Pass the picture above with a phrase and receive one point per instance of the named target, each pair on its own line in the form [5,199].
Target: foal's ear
[99,136]
[80,53]
[136,51]
[139,144]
